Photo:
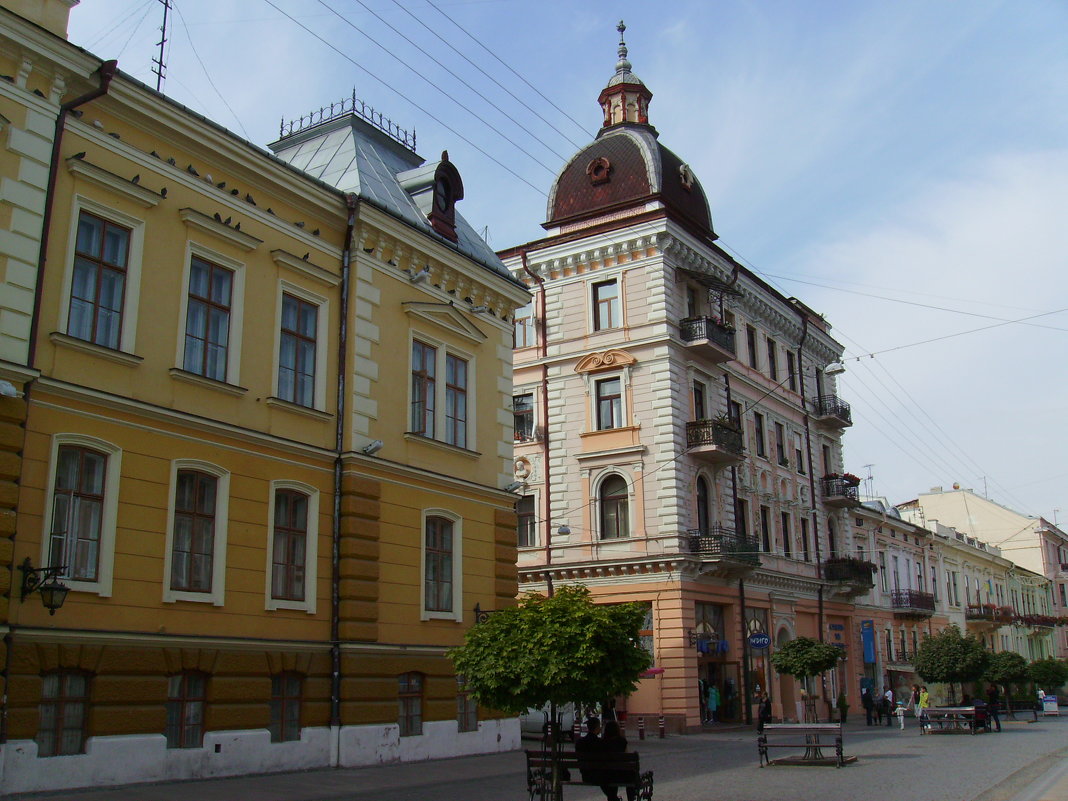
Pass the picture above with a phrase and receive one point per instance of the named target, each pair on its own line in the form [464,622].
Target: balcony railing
[913,602]
[713,338]
[839,492]
[990,613]
[714,440]
[902,657]
[833,410]
[1036,621]
[723,543]
[855,571]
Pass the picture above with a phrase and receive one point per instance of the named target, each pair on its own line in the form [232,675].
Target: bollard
[661,725]
[641,728]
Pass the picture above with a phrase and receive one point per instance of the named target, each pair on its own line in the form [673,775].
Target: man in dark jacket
[590,743]
[868,703]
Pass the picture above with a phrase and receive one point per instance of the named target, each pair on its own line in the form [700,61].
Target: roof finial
[622,65]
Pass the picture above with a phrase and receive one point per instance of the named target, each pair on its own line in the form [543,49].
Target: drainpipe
[543,351]
[351,204]
[107,72]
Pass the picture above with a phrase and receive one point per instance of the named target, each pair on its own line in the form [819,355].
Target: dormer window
[448,188]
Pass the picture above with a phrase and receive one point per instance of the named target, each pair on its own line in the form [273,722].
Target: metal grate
[349,105]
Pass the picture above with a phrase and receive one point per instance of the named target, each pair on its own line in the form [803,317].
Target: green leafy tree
[950,657]
[1048,674]
[1006,668]
[805,657]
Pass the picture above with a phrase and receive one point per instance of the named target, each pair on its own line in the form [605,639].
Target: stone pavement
[1028,762]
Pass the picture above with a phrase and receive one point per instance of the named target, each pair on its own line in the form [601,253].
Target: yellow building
[261,435]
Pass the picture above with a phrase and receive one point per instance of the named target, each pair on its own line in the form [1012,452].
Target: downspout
[107,72]
[351,203]
[543,350]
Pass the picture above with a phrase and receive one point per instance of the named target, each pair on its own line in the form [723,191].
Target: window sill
[179,374]
[437,443]
[298,409]
[276,604]
[173,596]
[67,341]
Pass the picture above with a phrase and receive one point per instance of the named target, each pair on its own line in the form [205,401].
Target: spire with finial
[626,98]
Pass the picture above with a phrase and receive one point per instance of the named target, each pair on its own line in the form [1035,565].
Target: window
[750,342]
[424,361]
[78,512]
[285,707]
[884,577]
[292,551]
[466,707]
[207,319]
[524,510]
[455,401]
[827,461]
[438,565]
[791,370]
[703,500]
[897,572]
[194,531]
[524,334]
[889,645]
[799,454]
[64,707]
[765,529]
[410,704]
[523,415]
[691,302]
[185,710]
[773,360]
[832,539]
[609,403]
[645,634]
[758,425]
[804,540]
[741,517]
[734,412]
[615,523]
[101,256]
[698,401]
[780,444]
[784,519]
[919,577]
[934,582]
[1064,595]
[290,545]
[606,305]
[297,351]
[956,595]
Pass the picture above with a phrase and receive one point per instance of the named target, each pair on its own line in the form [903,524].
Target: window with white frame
[526,515]
[442,561]
[297,350]
[195,561]
[606,305]
[102,281]
[82,509]
[613,502]
[293,531]
[441,410]
[524,334]
[207,319]
[523,416]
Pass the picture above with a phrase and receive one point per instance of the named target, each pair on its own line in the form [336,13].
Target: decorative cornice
[611,359]
[447,316]
[284,258]
[128,189]
[590,259]
[196,219]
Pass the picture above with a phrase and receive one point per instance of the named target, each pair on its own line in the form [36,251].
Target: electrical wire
[133,32]
[103,33]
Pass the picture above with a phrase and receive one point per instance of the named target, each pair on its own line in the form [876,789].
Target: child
[900,712]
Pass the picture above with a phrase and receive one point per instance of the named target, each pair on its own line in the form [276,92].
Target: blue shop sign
[759,640]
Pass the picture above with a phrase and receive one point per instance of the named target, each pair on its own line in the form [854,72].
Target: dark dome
[626,166]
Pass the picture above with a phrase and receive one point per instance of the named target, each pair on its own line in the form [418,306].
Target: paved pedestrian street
[1027,762]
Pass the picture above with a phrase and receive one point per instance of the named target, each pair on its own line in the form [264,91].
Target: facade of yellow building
[256,424]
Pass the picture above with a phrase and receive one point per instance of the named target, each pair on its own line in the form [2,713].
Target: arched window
[615,520]
[702,505]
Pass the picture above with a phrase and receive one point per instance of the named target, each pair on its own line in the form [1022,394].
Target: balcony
[850,577]
[839,491]
[832,411]
[988,617]
[912,604]
[1040,623]
[708,337]
[901,657]
[724,553]
[714,441]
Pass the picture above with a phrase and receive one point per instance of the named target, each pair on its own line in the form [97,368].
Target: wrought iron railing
[912,599]
[990,613]
[694,328]
[833,406]
[723,543]
[857,571]
[839,488]
[345,106]
[713,432]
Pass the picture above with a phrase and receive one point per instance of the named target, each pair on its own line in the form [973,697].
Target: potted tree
[951,657]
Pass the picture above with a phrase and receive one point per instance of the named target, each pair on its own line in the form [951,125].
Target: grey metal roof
[354,156]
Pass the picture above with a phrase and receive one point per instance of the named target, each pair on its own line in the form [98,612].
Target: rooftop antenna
[869,481]
[160,64]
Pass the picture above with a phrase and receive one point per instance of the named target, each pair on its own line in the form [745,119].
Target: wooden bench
[622,770]
[953,720]
[802,735]
[1011,708]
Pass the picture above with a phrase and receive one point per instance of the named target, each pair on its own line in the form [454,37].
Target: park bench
[1012,708]
[954,720]
[801,735]
[622,770]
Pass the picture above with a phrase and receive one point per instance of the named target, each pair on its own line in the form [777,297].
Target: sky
[901,166]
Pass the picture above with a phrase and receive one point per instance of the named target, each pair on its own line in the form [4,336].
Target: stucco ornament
[611,359]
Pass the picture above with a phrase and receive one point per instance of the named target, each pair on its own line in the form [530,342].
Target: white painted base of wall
[130,759]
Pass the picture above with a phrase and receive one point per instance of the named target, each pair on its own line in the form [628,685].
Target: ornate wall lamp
[44,580]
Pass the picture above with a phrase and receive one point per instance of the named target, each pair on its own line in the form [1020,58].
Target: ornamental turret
[625,98]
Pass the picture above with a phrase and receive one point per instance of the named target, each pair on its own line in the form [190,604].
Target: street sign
[759,640]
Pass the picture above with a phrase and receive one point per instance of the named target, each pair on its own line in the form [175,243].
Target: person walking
[993,707]
[868,703]
[712,703]
[613,742]
[764,712]
[888,703]
[924,704]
